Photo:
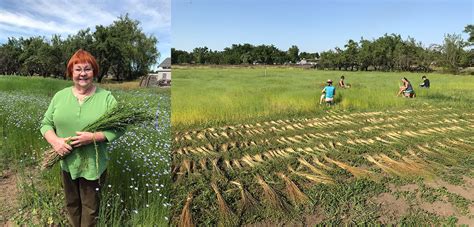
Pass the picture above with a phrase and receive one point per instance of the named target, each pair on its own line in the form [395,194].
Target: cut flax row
[410,166]
[320,179]
[467,147]
[229,131]
[201,150]
[188,167]
[355,171]
[435,152]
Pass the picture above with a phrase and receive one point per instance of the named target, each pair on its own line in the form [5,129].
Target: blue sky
[47,17]
[313,25]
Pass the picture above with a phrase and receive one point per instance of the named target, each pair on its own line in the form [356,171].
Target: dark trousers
[82,199]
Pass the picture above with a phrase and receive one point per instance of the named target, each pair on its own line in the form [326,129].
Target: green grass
[234,124]
[137,187]
[216,96]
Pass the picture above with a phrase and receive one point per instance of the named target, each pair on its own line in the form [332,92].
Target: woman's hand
[82,139]
[61,147]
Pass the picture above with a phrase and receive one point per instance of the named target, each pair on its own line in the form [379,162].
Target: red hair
[80,57]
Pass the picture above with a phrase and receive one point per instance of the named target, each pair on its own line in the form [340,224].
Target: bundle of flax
[117,118]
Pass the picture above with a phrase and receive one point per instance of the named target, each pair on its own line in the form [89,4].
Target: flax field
[137,188]
[262,151]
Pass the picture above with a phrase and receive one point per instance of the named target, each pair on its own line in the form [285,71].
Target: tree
[180,57]
[452,51]
[199,54]
[36,57]
[293,53]
[10,56]
[123,49]
[365,56]
[58,57]
[328,59]
[351,53]
[470,30]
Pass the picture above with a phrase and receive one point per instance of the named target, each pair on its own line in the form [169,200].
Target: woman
[342,84]
[328,93]
[71,109]
[407,89]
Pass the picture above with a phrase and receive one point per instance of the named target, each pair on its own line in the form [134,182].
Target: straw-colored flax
[224,147]
[215,166]
[247,159]
[258,158]
[425,149]
[210,147]
[228,165]
[356,171]
[270,195]
[319,163]
[385,168]
[311,167]
[203,163]
[247,202]
[186,218]
[237,163]
[393,163]
[382,140]
[187,165]
[294,193]
[312,177]
[468,148]
[227,218]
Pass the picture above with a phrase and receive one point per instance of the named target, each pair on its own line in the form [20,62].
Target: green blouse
[66,117]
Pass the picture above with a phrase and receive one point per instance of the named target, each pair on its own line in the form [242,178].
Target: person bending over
[328,93]
[406,89]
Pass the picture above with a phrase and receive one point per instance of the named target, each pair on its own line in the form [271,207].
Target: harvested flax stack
[227,217]
[247,201]
[186,219]
[294,193]
[270,195]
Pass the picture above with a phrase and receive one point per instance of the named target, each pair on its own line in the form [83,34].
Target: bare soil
[8,196]
[393,208]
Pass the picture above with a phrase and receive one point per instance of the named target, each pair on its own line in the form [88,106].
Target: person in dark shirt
[426,82]
[343,84]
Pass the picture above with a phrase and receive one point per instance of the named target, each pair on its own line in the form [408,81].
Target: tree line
[121,49]
[386,53]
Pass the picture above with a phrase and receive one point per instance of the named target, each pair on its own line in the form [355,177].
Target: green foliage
[121,49]
[137,186]
[470,30]
[452,51]
[386,53]
[222,96]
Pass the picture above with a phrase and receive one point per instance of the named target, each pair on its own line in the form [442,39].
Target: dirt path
[8,196]
[393,208]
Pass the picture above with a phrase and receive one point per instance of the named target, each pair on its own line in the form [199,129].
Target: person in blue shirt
[328,93]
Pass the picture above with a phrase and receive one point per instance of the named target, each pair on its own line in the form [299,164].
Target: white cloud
[28,22]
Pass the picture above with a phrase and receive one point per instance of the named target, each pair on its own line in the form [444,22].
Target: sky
[26,18]
[313,25]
